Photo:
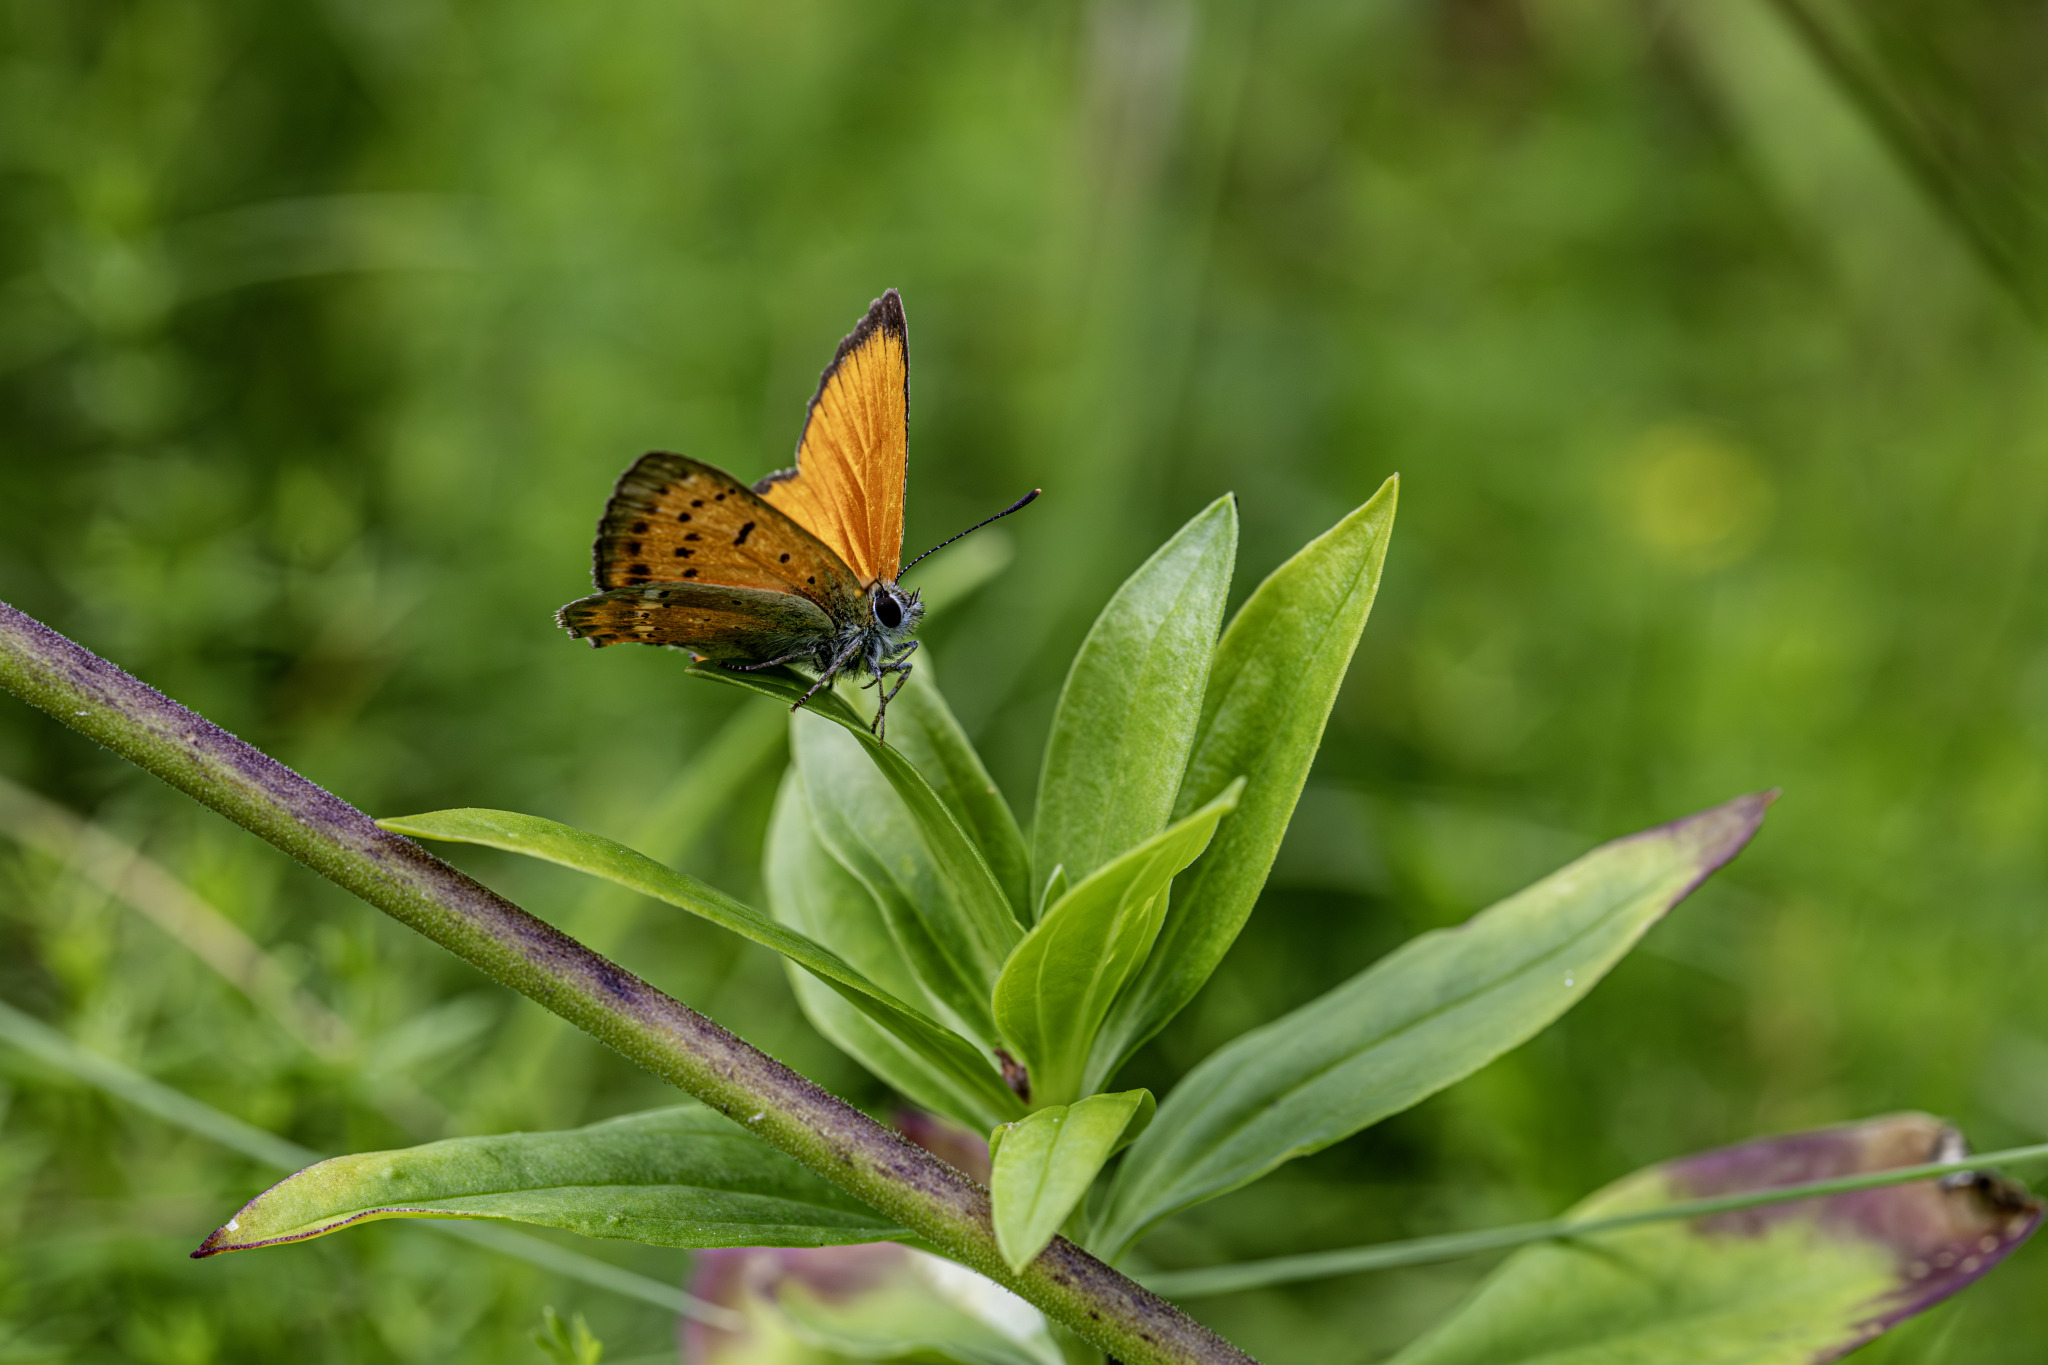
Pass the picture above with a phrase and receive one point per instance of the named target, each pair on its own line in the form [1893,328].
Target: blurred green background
[1704,335]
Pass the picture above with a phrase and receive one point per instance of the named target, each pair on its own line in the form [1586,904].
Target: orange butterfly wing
[673,519]
[846,487]
[687,555]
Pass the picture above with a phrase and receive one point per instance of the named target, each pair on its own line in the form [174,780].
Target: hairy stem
[667,1037]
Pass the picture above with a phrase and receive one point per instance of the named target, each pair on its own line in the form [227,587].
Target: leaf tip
[1942,1235]
[1018,1257]
[1715,835]
[1222,516]
[1739,822]
[222,1239]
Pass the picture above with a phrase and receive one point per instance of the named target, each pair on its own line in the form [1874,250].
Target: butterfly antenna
[1016,506]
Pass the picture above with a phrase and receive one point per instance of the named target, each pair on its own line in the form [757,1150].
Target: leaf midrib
[1202,864]
[1294,697]
[1121,776]
[1380,1041]
[793,1201]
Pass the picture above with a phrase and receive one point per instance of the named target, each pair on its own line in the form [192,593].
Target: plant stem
[668,1038]
[1229,1279]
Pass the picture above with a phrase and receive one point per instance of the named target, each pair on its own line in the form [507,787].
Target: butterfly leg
[889,662]
[902,671]
[825,678]
[882,699]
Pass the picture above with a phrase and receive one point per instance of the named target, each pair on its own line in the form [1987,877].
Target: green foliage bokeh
[324,328]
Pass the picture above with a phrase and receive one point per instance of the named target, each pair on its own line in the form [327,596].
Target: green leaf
[681,1177]
[810,890]
[1428,1014]
[988,921]
[1044,1164]
[873,834]
[1059,985]
[614,862]
[922,727]
[1128,711]
[1786,1284]
[1277,672]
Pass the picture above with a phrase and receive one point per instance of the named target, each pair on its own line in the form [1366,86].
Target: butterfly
[801,567]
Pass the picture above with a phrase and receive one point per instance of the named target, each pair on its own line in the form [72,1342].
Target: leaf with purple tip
[1425,1016]
[1794,1283]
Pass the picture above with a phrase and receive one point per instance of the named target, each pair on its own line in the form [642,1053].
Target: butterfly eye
[887,611]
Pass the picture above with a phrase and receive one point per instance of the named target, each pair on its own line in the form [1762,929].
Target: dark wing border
[884,315]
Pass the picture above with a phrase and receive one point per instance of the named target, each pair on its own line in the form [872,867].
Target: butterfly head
[894,611]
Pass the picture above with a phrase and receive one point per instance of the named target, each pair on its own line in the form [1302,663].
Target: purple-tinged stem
[611,1004]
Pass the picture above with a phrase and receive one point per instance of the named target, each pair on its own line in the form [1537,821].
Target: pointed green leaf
[1428,1014]
[1060,983]
[874,835]
[681,1177]
[551,841]
[1277,672]
[809,890]
[601,857]
[1128,711]
[987,918]
[1044,1164]
[922,726]
[1785,1284]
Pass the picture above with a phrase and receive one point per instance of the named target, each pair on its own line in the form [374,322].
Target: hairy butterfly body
[799,568]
